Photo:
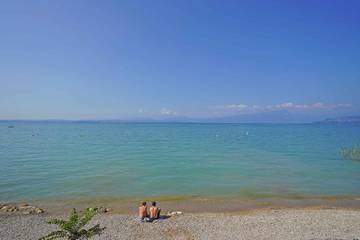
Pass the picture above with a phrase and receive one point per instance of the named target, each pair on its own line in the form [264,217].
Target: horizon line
[164,121]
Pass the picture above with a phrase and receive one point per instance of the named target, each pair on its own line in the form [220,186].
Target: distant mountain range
[342,120]
[264,117]
[282,116]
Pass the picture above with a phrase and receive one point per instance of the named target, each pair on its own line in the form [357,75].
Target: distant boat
[11,126]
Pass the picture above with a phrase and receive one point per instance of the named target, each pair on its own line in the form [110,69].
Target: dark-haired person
[154,211]
[143,213]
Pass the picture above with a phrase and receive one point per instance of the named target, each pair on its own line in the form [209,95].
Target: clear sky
[134,59]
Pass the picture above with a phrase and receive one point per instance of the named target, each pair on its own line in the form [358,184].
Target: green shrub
[352,153]
[73,229]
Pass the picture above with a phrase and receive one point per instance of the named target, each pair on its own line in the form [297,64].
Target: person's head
[153,204]
[143,203]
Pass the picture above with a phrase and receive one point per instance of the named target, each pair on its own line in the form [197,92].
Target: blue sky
[139,59]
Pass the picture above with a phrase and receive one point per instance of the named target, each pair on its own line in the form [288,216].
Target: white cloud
[314,106]
[244,108]
[238,107]
[167,112]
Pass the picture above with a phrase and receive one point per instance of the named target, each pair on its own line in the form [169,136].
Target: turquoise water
[49,160]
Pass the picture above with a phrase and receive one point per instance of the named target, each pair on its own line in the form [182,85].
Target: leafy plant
[352,153]
[73,229]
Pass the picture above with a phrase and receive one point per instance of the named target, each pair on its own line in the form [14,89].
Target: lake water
[65,160]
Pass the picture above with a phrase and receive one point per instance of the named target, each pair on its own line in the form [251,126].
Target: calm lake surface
[65,160]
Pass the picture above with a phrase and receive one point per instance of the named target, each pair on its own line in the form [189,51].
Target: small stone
[39,210]
[102,209]
[174,213]
[28,212]
[12,209]
[25,207]
[107,210]
[5,208]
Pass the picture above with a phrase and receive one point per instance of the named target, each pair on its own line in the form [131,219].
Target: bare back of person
[143,211]
[154,211]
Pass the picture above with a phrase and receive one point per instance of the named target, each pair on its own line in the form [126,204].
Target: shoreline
[194,204]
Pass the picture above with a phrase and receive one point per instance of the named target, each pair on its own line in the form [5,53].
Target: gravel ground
[260,224]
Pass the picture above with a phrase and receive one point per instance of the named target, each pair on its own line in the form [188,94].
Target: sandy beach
[283,223]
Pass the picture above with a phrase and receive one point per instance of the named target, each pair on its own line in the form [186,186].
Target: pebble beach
[256,224]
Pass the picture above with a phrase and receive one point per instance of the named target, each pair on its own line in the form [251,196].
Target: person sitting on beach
[154,211]
[143,212]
